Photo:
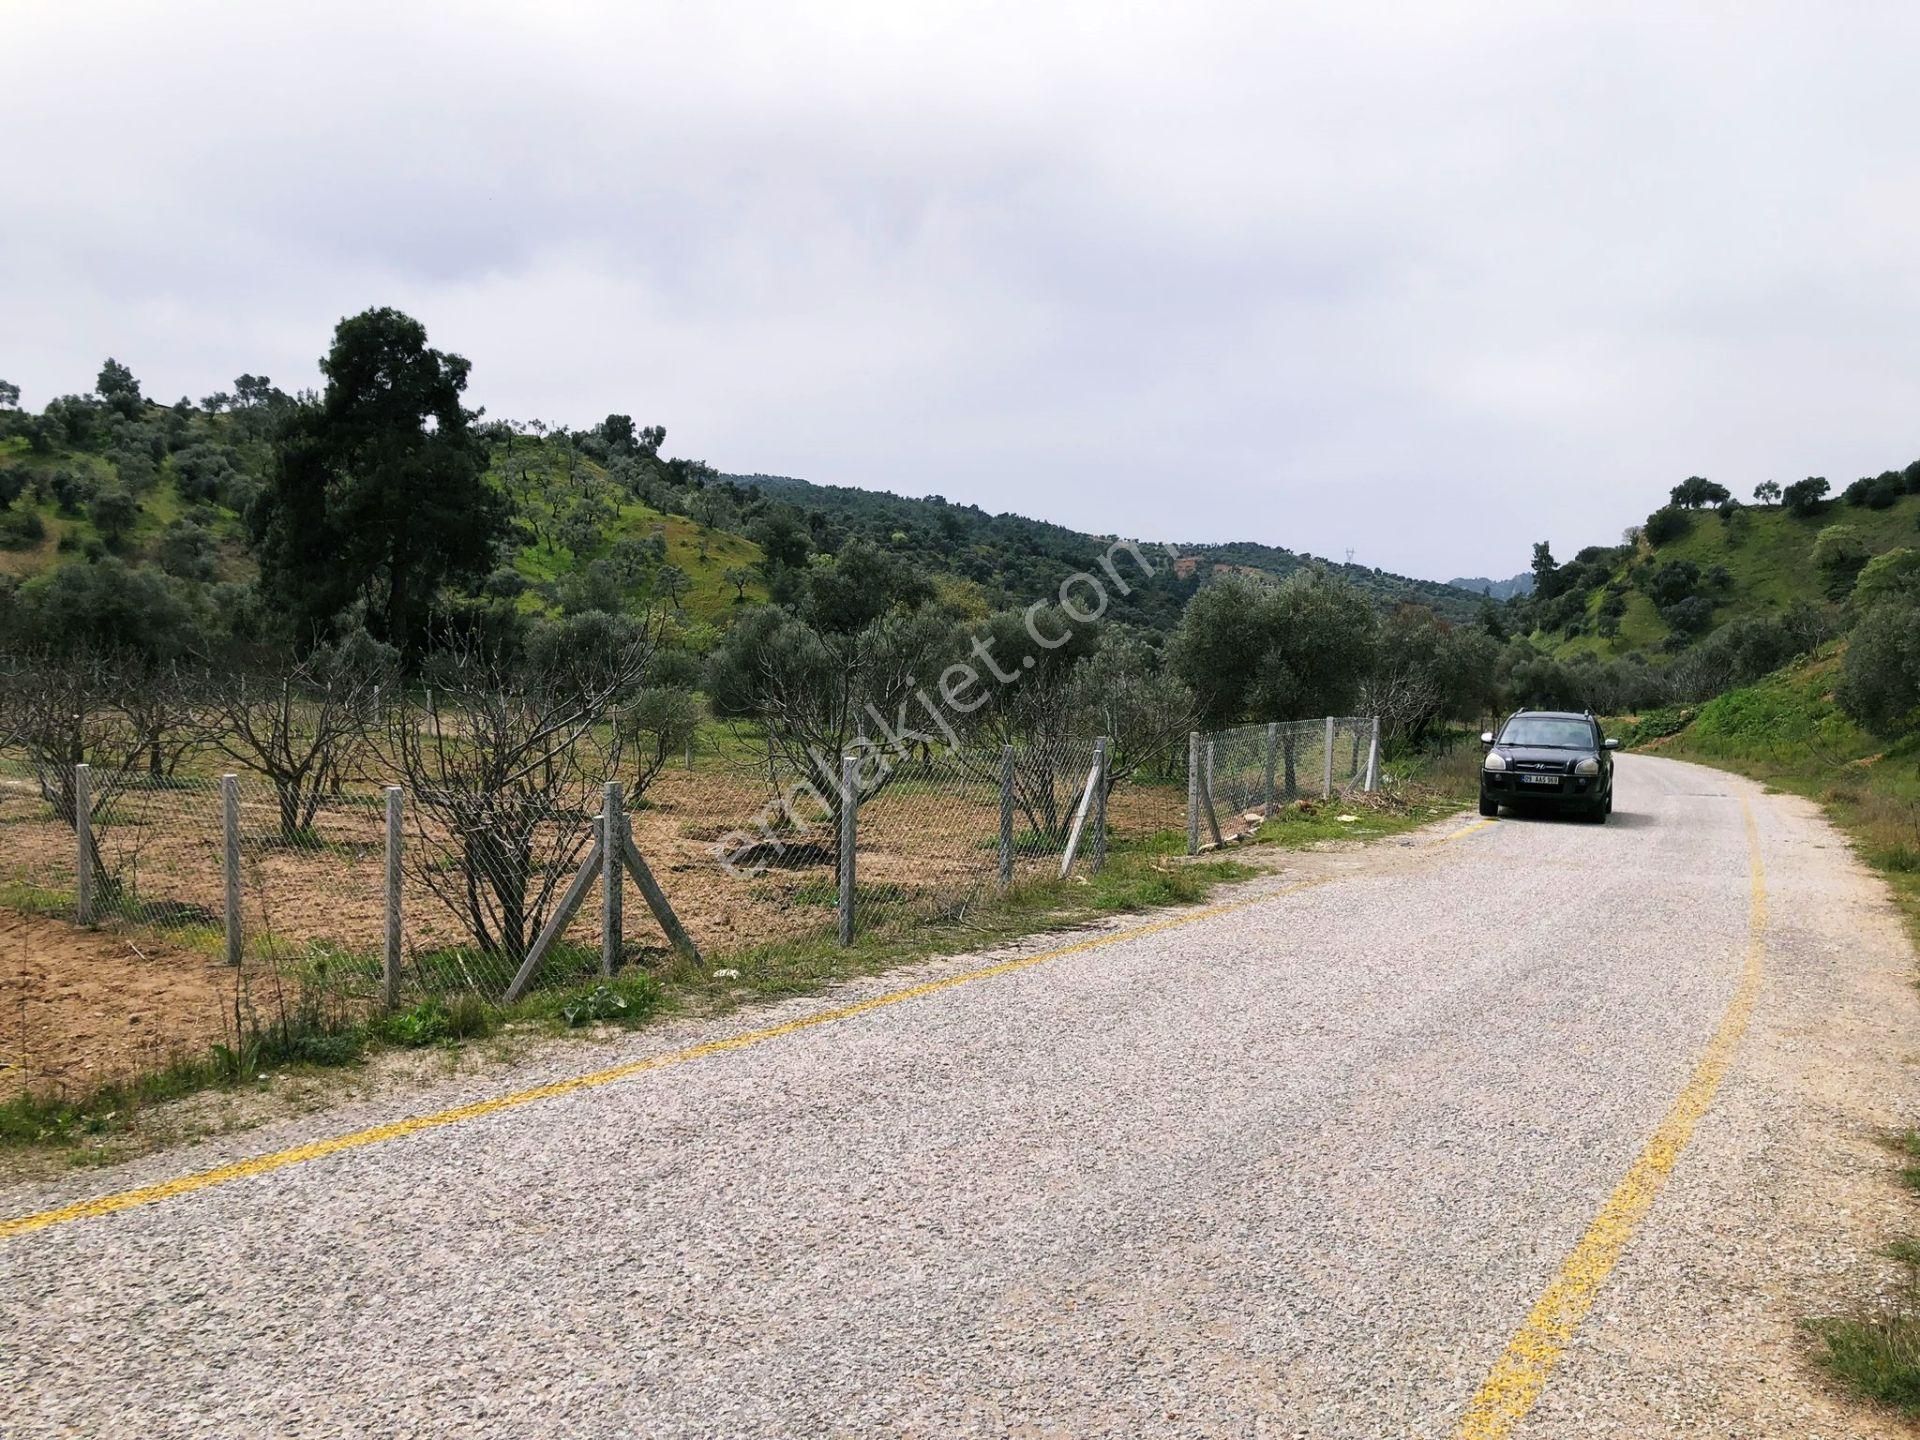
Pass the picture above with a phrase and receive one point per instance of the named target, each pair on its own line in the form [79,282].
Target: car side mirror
[1611,744]
[1486,737]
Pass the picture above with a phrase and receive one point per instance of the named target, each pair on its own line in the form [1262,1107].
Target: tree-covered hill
[256,516]
[1383,587]
[1693,568]
[171,488]
[1709,595]
[1013,555]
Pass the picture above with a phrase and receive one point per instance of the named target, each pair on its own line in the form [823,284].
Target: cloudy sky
[1427,282]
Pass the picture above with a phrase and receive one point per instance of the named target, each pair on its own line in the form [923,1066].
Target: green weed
[627,999]
[1878,1354]
[1901,858]
[424,1024]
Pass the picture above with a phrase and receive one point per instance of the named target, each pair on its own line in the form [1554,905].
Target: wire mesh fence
[953,829]
[37,845]
[482,875]
[207,864]
[1259,767]
[385,895]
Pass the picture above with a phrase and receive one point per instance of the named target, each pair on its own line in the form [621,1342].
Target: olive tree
[1840,553]
[1251,650]
[1125,692]
[1880,683]
[1035,710]
[822,693]
[1428,671]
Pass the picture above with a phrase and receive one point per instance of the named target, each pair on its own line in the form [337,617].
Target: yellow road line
[398,1129]
[1476,826]
[1514,1384]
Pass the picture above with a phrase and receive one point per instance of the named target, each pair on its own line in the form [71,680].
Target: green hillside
[55,517]
[1757,561]
[1016,557]
[598,519]
[585,537]
[169,487]
[706,556]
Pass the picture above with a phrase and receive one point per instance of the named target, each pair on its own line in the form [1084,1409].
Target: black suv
[1548,758]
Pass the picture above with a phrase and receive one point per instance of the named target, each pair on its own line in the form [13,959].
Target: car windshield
[1548,733]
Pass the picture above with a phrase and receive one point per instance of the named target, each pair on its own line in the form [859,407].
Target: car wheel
[1600,813]
[1609,809]
[1489,807]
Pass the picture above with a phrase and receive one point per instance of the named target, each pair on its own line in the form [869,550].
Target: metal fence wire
[386,895]
[482,875]
[948,830]
[1239,776]
[37,846]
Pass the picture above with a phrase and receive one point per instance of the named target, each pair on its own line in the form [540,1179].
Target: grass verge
[313,1032]
[1877,1353]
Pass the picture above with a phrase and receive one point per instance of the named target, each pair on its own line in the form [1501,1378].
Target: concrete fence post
[613,875]
[1206,797]
[1100,760]
[83,844]
[1373,758]
[849,821]
[390,956]
[1326,784]
[1273,746]
[1006,816]
[230,838]
[1193,792]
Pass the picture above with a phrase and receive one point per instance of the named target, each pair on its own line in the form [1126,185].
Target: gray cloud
[1431,287]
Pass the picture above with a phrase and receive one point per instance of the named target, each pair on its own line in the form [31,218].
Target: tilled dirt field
[84,1006]
[78,1007]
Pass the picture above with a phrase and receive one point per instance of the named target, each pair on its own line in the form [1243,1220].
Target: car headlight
[1588,766]
[1494,761]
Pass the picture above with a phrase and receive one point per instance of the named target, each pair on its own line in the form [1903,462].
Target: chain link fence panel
[38,847]
[481,876]
[1240,775]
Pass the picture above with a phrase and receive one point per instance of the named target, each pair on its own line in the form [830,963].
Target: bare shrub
[503,757]
[305,726]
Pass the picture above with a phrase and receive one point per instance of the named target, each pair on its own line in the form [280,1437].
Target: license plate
[1540,779]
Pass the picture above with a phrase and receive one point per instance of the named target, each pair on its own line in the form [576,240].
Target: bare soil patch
[81,1007]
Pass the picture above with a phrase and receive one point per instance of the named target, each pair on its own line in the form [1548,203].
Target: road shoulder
[1783,1205]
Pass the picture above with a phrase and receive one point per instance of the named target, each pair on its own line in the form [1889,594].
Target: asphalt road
[1301,1167]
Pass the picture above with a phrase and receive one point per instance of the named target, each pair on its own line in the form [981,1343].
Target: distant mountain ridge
[1521,584]
[959,523]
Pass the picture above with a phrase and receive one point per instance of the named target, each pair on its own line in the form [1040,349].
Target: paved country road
[1297,1167]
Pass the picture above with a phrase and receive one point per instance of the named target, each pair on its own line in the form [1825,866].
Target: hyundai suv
[1548,758]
